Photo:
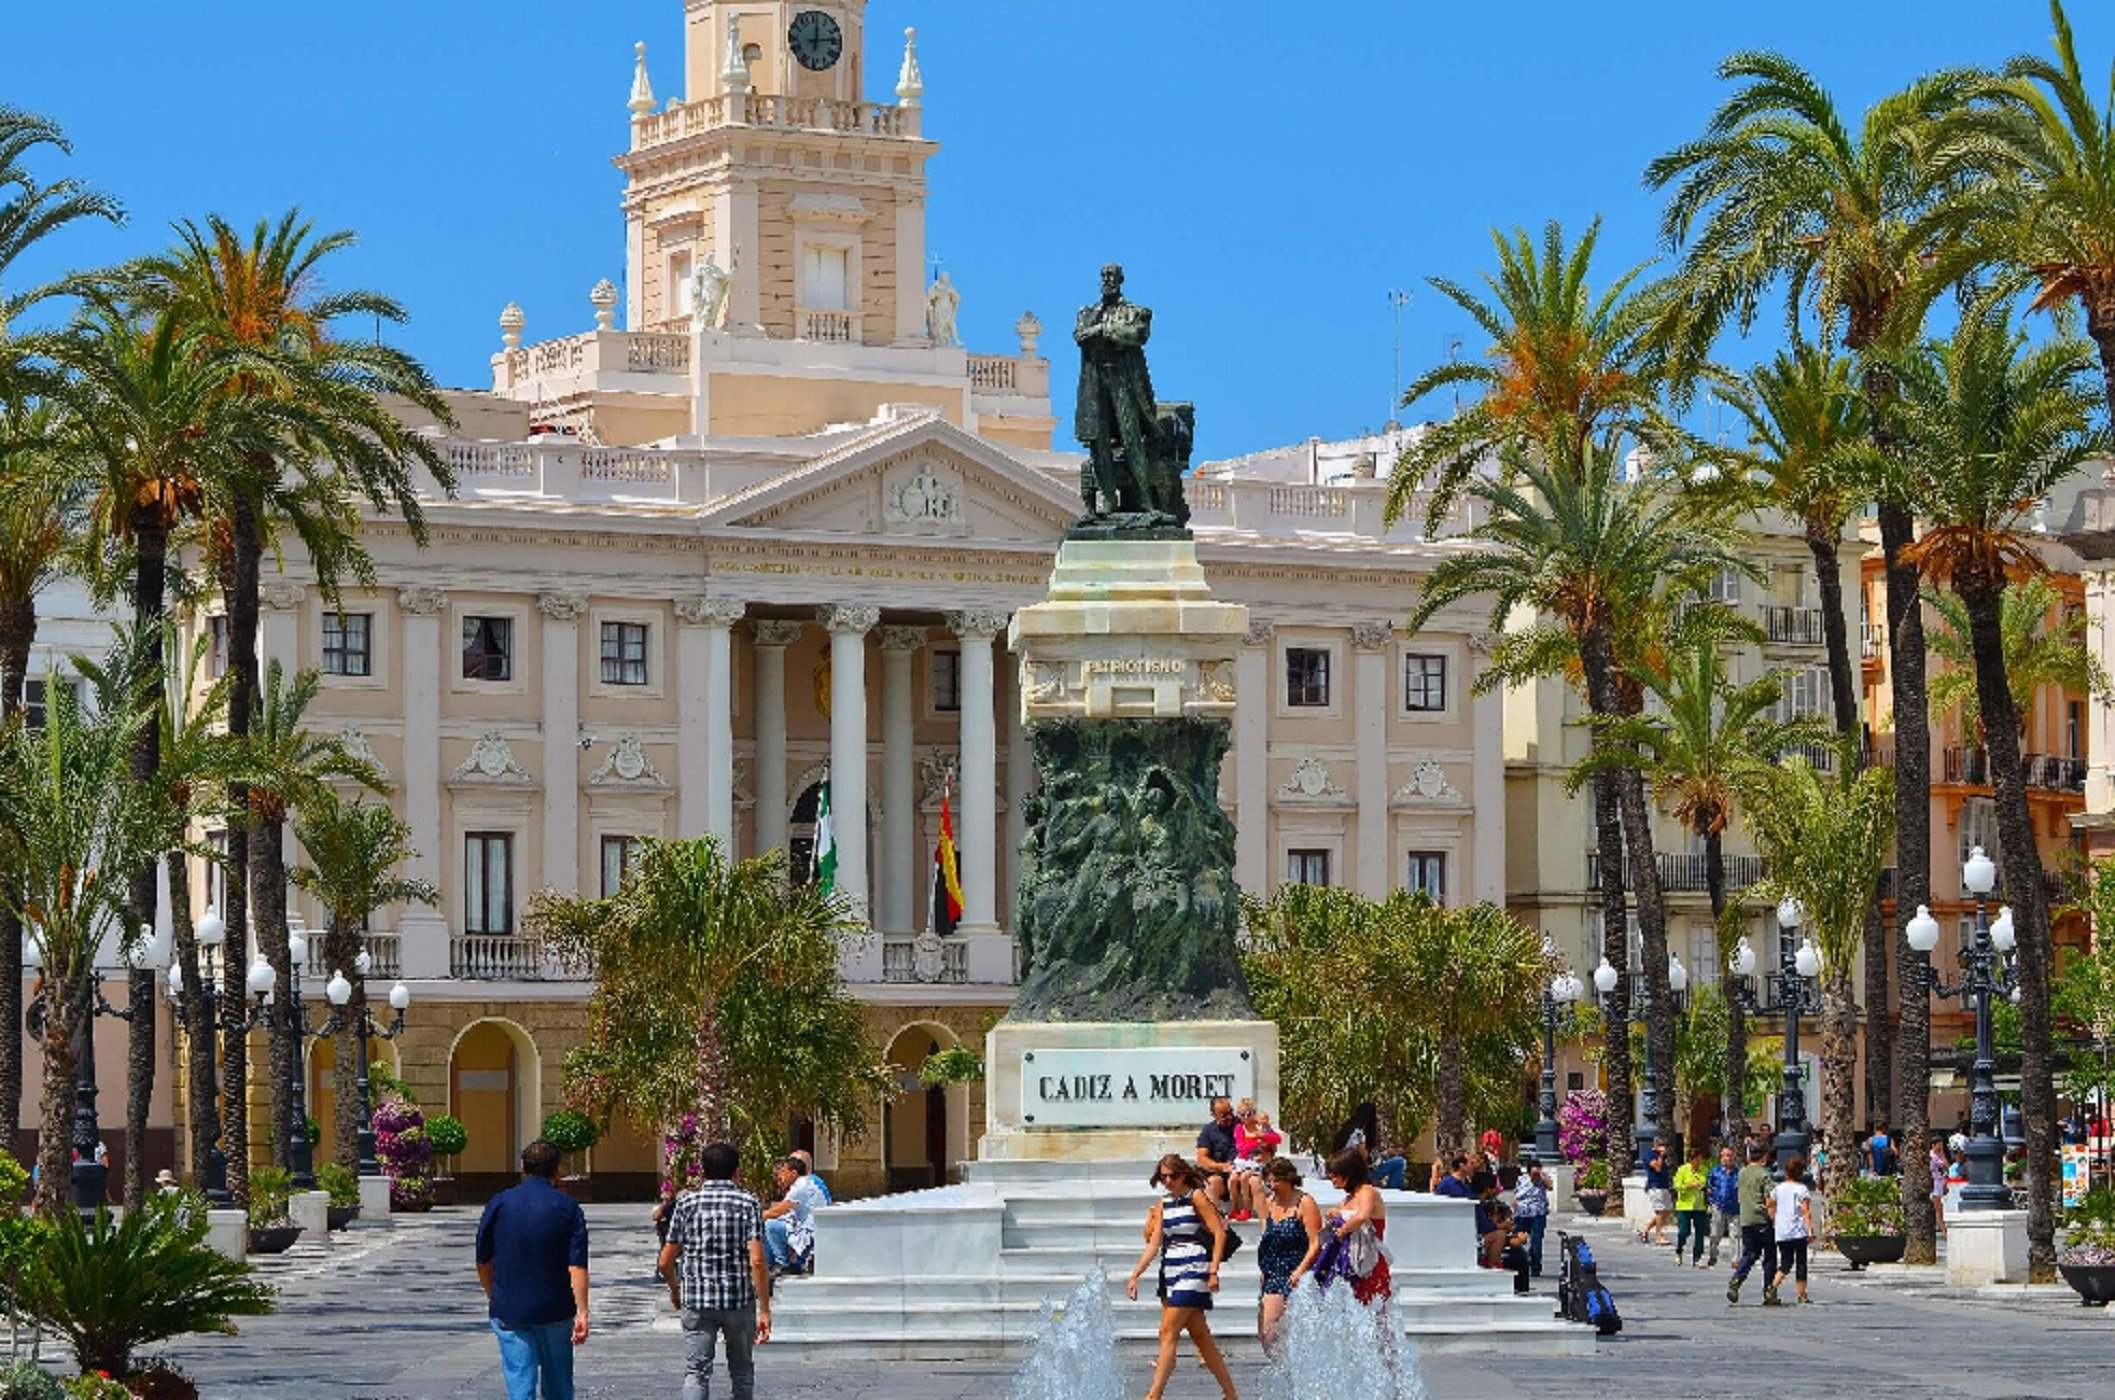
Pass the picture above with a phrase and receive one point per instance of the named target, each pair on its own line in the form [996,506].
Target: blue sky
[1266,173]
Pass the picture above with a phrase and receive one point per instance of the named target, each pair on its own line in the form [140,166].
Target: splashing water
[1330,1346]
[1074,1356]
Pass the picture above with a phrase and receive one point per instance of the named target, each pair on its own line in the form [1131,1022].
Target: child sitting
[1255,1143]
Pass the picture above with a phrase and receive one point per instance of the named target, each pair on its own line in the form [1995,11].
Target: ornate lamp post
[300,1152]
[339,991]
[1797,995]
[1647,1126]
[1986,972]
[1560,991]
[211,932]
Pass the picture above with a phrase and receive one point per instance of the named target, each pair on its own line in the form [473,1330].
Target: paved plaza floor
[396,1314]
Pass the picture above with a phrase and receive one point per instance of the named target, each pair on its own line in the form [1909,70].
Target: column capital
[1260,632]
[422,600]
[841,618]
[777,632]
[902,639]
[710,612]
[976,625]
[1481,644]
[560,606]
[1372,636]
[282,594]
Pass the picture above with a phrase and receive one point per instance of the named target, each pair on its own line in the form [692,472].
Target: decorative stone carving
[972,625]
[935,771]
[1260,632]
[738,779]
[1428,786]
[776,632]
[847,617]
[422,600]
[1043,682]
[561,607]
[921,497]
[1481,643]
[1215,681]
[626,762]
[354,741]
[894,638]
[282,595]
[603,297]
[1311,781]
[928,956]
[1372,636]
[942,305]
[710,612]
[491,760]
[1030,330]
[708,294]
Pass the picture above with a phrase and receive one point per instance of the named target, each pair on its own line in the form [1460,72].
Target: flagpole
[815,841]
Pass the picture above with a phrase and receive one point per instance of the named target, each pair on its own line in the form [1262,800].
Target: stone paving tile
[397,1315]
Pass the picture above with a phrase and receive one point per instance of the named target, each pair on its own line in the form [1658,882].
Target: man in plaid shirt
[714,1265]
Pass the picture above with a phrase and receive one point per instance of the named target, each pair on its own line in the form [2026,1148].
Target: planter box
[2094,1283]
[343,1216]
[1861,1250]
[273,1239]
[1593,1202]
[580,1188]
[444,1191]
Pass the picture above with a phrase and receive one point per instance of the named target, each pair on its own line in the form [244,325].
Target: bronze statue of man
[1115,419]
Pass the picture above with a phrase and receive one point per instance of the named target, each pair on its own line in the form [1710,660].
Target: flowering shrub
[1582,1126]
[679,1156]
[407,1157]
[2089,1229]
[1869,1205]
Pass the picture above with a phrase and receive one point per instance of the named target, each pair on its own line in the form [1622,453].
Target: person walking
[1752,1191]
[1356,1228]
[1939,1172]
[1659,1193]
[1531,1207]
[713,1262]
[1184,1228]
[1292,1236]
[1691,1212]
[1722,1195]
[532,1259]
[1792,1216]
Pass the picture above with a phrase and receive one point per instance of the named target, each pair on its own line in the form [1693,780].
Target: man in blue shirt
[532,1258]
[1456,1182]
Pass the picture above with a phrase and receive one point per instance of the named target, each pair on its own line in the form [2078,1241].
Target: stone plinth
[311,1211]
[1085,1091]
[1564,1194]
[228,1231]
[374,1200]
[1986,1246]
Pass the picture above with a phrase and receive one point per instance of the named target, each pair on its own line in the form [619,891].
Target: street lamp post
[1647,1126]
[300,1152]
[210,933]
[339,991]
[1986,972]
[1797,995]
[1560,991]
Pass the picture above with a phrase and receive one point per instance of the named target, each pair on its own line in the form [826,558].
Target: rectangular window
[679,284]
[216,869]
[34,694]
[624,653]
[947,682]
[826,279]
[1307,867]
[618,853]
[348,648]
[217,632]
[1806,694]
[1428,872]
[2074,729]
[488,882]
[1424,683]
[488,648]
[1725,588]
[1307,676]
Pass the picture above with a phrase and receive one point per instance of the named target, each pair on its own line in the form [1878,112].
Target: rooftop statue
[1137,447]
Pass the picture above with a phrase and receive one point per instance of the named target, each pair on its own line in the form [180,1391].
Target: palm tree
[1865,225]
[354,850]
[31,212]
[288,766]
[1564,364]
[1825,838]
[1480,972]
[2037,650]
[1988,425]
[1585,548]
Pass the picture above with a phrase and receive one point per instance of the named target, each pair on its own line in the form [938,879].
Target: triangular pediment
[919,479]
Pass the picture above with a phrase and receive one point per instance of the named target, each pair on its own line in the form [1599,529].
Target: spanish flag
[947,876]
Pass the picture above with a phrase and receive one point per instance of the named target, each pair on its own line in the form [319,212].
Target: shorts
[1660,1199]
[1247,1167]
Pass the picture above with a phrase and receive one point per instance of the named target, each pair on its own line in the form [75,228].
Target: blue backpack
[1585,1257]
[1601,1310]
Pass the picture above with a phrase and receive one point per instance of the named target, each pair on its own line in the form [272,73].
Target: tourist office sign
[1131,1088]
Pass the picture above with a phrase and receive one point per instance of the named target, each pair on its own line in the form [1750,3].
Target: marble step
[1076,1261]
[1540,1337]
[819,1313]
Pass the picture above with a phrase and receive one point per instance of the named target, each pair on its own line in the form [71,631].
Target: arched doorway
[495,1090]
[322,1092]
[925,1131]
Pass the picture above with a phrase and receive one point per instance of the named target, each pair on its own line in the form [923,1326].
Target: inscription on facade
[1143,1088]
[1134,666]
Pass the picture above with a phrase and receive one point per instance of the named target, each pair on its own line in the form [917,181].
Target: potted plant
[1866,1219]
[571,1132]
[272,1228]
[957,1064]
[2087,1257]
[407,1157]
[1593,1186]
[445,1135]
[344,1189]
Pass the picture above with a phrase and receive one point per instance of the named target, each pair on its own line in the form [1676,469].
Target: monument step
[1526,1338]
[1077,1261]
[800,1317]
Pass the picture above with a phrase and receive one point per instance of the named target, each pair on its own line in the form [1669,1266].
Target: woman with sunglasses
[1186,1231]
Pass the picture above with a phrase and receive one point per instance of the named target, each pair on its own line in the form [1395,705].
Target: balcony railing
[1686,871]
[2053,772]
[381,956]
[1872,641]
[829,327]
[771,109]
[502,957]
[1820,757]
[1801,626]
[1264,507]
[899,962]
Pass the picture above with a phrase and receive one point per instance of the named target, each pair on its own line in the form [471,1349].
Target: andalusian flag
[825,841]
[947,875]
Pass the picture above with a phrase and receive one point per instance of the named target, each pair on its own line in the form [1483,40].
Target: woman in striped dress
[1186,1231]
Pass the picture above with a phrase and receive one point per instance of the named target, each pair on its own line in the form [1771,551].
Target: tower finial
[910,82]
[642,86]
[734,69]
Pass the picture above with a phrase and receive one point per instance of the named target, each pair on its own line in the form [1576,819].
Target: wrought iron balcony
[1685,872]
[1799,626]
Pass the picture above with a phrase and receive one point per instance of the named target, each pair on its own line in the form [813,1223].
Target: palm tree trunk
[1450,1120]
[18,632]
[1839,1075]
[140,999]
[2020,862]
[343,944]
[715,1121]
[1732,1106]
[1597,659]
[199,1088]
[65,1009]
[239,588]
[1906,672]
[1828,573]
[1652,944]
[149,585]
[268,918]
[2100,324]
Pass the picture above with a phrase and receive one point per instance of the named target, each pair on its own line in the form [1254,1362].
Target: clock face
[816,40]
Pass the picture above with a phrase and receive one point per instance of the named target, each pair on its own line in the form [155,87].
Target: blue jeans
[778,1249]
[1388,1173]
[1534,1225]
[540,1347]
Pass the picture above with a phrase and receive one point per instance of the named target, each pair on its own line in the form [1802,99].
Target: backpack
[1583,1256]
[1601,1310]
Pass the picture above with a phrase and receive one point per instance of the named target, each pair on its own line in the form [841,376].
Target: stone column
[1369,641]
[705,718]
[1252,707]
[990,953]
[896,899]
[1020,781]
[423,930]
[1487,784]
[848,625]
[561,738]
[772,637]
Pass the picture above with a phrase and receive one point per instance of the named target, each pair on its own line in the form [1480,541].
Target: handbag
[1233,1244]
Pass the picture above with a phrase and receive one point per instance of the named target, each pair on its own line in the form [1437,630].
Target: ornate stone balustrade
[481,957]
[829,327]
[769,110]
[1276,508]
[594,352]
[382,953]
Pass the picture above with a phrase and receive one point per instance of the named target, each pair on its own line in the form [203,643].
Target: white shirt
[807,1198]
[1790,1220]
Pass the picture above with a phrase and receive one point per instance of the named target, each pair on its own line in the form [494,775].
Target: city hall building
[765,519]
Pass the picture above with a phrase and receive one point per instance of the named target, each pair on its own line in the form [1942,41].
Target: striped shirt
[1185,1254]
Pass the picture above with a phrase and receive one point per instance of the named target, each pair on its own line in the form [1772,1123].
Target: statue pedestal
[1117,1091]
